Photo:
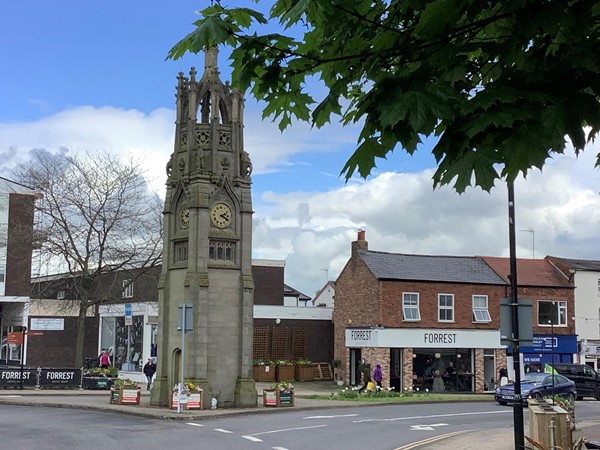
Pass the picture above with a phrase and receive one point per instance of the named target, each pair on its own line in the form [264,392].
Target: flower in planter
[284,386]
[125,383]
[283,362]
[303,362]
[263,362]
[188,387]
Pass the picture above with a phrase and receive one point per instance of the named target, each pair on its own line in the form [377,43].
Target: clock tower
[207,256]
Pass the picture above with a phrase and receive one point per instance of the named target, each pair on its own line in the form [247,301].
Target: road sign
[15,338]
[128,314]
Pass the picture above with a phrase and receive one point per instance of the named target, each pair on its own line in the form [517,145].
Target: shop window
[552,313]
[455,367]
[445,308]
[127,289]
[480,309]
[410,306]
[129,343]
[3,271]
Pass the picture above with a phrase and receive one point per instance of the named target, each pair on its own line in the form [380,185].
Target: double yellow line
[431,440]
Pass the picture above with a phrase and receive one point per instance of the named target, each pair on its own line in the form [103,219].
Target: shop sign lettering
[63,377]
[361,335]
[439,338]
[12,377]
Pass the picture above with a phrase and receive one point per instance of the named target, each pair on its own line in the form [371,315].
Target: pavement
[98,400]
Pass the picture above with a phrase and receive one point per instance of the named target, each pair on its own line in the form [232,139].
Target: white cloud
[313,230]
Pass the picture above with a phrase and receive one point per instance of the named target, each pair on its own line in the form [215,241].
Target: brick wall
[56,348]
[558,294]
[268,285]
[19,245]
[356,305]
[391,308]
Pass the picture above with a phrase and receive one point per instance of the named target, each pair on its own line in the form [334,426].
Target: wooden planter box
[285,373]
[125,396]
[304,373]
[263,373]
[97,382]
[193,400]
[276,397]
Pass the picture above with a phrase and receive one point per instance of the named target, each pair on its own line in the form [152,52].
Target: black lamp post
[552,348]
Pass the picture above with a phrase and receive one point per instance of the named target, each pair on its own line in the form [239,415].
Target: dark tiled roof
[291,292]
[530,272]
[577,264]
[448,269]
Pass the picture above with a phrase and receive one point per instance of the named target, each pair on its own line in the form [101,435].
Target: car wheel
[597,394]
[501,403]
[537,396]
[570,398]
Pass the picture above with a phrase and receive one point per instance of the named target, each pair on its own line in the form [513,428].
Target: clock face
[184,216]
[220,215]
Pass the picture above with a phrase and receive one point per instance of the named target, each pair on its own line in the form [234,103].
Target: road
[380,427]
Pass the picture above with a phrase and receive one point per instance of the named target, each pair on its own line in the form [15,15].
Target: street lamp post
[552,349]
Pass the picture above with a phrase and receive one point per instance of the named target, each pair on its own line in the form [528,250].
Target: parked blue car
[538,385]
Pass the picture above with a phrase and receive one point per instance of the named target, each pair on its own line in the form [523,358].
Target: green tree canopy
[502,85]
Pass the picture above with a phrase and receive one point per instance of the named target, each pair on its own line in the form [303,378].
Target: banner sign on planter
[12,377]
[270,397]
[129,396]
[60,377]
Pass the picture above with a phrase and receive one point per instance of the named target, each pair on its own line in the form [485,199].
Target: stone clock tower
[207,258]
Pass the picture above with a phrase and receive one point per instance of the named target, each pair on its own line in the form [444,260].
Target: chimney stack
[360,243]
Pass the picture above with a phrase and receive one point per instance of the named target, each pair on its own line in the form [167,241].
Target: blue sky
[87,75]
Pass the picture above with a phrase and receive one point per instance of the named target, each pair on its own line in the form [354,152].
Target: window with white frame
[552,313]
[598,286]
[480,309]
[60,295]
[410,306]
[445,308]
[127,289]
[2,272]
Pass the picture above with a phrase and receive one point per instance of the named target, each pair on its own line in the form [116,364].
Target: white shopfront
[129,340]
[432,349]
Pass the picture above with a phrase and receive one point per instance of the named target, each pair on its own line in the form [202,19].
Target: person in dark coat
[365,368]
[149,371]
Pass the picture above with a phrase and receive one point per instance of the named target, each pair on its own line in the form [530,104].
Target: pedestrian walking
[149,371]
[365,368]
[104,360]
[378,375]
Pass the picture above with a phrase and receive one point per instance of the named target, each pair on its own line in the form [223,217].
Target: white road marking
[415,445]
[427,427]
[221,430]
[279,448]
[330,417]
[252,438]
[194,424]
[432,416]
[286,429]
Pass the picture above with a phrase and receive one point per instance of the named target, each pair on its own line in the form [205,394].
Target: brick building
[16,245]
[415,314]
[280,332]
[553,309]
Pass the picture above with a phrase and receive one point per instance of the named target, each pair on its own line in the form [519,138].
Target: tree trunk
[80,334]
